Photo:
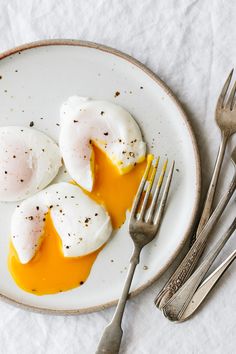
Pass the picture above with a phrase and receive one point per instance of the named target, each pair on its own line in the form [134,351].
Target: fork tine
[148,189]
[157,192]
[220,102]
[158,217]
[230,102]
[141,186]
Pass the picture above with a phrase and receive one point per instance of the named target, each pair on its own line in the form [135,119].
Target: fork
[226,119]
[144,223]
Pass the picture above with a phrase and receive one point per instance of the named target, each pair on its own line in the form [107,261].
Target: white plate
[35,80]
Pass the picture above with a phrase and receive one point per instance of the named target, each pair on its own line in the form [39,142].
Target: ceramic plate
[35,80]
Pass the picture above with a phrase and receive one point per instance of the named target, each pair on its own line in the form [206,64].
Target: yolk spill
[49,272]
[116,192]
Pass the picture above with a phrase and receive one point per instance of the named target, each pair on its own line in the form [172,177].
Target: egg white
[29,160]
[85,122]
[82,224]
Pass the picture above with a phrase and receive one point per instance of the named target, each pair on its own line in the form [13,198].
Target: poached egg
[86,122]
[29,160]
[82,224]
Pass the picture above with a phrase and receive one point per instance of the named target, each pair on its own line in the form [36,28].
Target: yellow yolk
[49,272]
[113,190]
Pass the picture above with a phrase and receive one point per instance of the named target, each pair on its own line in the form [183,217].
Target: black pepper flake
[72,196]
[87,220]
[51,206]
[68,234]
[90,141]
[31,289]
[117,94]
[22,180]
[131,154]
[43,150]
[75,121]
[58,124]
[31,218]
[5,172]
[81,283]
[177,170]
[44,219]
[106,133]
[96,214]
[14,156]
[31,124]
[102,112]
[141,87]
[37,207]
[16,71]
[67,246]
[120,140]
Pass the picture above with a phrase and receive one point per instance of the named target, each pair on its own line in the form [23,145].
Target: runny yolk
[49,272]
[116,192]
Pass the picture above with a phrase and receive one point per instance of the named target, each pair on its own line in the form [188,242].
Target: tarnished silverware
[176,306]
[206,286]
[226,120]
[143,226]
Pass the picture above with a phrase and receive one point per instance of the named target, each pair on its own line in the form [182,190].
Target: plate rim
[168,91]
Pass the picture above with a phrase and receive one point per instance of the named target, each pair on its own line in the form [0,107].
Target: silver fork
[226,120]
[143,226]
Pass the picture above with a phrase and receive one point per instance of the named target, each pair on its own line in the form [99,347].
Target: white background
[191,46]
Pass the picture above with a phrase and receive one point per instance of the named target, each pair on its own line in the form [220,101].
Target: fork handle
[112,335]
[176,306]
[212,187]
[189,262]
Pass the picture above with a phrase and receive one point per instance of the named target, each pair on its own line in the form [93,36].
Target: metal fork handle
[112,335]
[189,262]
[176,306]
[207,285]
[213,184]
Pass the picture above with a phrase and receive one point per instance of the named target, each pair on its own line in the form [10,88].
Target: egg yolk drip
[49,272]
[113,190]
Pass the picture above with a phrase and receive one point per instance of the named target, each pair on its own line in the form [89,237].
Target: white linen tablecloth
[191,46]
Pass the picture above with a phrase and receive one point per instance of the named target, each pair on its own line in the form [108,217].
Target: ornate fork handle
[190,260]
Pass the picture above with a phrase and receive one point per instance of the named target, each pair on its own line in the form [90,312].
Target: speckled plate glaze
[34,80]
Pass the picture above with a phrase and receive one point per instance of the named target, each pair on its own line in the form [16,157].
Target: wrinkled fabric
[191,46]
